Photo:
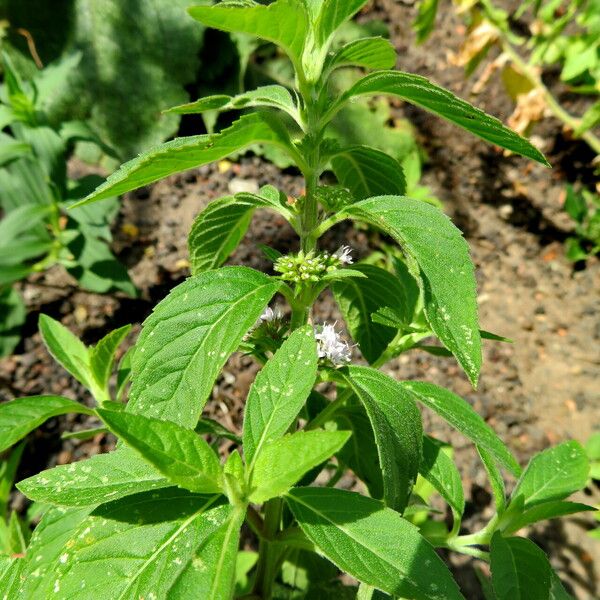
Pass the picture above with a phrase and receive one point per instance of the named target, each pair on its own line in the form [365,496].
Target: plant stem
[269,553]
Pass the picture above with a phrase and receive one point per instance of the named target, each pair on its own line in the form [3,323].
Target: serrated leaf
[279,392]
[101,478]
[13,314]
[446,270]
[189,337]
[19,417]
[543,512]
[368,172]
[181,455]
[396,423]
[520,570]
[359,299]
[331,14]
[154,538]
[369,53]
[102,355]
[282,462]
[421,92]
[272,96]
[188,152]
[372,543]
[553,474]
[45,547]
[66,349]
[283,22]
[459,413]
[441,472]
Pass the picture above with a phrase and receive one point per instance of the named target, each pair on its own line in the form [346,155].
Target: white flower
[343,254]
[331,345]
[270,315]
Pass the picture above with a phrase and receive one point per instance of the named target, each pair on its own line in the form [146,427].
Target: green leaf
[553,474]
[189,152]
[102,355]
[124,373]
[11,149]
[446,270]
[520,570]
[421,92]
[575,205]
[19,417]
[279,392]
[360,298]
[66,349]
[282,462]
[369,53]
[372,543]
[20,220]
[425,21]
[8,470]
[495,479]
[441,472]
[396,423]
[543,512]
[101,478]
[331,15]
[283,22]
[189,337]
[217,231]
[13,314]
[368,172]
[10,577]
[157,540]
[459,413]
[179,454]
[46,546]
[272,96]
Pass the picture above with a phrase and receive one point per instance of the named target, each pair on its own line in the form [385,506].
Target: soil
[538,391]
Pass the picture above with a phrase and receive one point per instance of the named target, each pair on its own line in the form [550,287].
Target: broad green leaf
[217,231]
[8,470]
[189,337]
[101,478]
[19,221]
[557,589]
[542,512]
[102,355]
[459,413]
[66,349]
[360,298]
[520,570]
[331,14]
[425,21]
[372,543]
[369,53]
[441,472]
[13,314]
[283,22]
[553,474]
[272,96]
[279,392]
[189,152]
[140,546]
[421,92]
[16,543]
[445,268]
[179,454]
[396,423]
[124,373]
[45,547]
[10,577]
[368,172]
[19,417]
[11,149]
[495,479]
[282,462]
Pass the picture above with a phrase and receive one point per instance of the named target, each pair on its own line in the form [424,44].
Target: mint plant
[583,207]
[36,232]
[163,515]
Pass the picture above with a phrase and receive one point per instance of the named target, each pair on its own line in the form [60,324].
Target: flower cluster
[306,267]
[331,346]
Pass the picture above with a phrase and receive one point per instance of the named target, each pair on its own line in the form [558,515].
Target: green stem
[269,553]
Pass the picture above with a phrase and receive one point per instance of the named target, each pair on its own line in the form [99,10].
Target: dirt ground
[538,391]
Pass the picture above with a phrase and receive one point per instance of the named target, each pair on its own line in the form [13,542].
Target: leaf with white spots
[101,478]
[189,337]
[179,454]
[142,547]
[372,543]
[461,415]
[438,252]
[553,474]
[280,391]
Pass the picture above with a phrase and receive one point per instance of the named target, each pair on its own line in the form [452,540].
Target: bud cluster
[310,266]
